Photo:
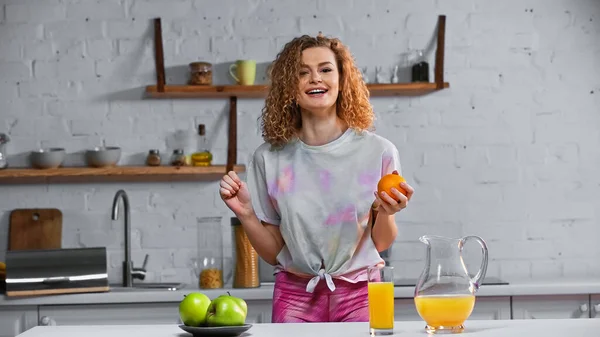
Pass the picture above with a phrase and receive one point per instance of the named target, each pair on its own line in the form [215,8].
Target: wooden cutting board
[35,228]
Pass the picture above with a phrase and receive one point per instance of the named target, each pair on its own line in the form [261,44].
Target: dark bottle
[420,70]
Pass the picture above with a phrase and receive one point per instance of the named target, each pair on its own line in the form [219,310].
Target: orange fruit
[388,181]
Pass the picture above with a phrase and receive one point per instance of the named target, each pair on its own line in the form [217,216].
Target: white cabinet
[595,306]
[485,308]
[259,311]
[133,313]
[491,308]
[551,307]
[404,310]
[106,314]
[16,320]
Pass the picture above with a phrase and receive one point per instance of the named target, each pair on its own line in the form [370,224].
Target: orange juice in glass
[381,300]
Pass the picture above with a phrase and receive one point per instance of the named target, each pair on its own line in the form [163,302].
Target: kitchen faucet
[129,272]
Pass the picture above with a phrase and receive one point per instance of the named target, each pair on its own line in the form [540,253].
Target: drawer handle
[45,320]
[54,280]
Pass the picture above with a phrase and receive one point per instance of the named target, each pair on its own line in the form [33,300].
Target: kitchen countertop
[265,292]
[488,328]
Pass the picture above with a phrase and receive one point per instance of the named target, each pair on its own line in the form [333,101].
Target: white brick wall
[510,152]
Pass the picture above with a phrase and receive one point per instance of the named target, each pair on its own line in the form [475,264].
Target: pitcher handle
[484,261]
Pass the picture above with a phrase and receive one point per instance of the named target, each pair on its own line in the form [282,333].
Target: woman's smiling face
[319,80]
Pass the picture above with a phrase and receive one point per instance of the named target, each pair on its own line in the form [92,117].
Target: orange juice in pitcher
[445,293]
[445,310]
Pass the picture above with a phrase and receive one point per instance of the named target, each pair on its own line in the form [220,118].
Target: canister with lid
[246,258]
[200,73]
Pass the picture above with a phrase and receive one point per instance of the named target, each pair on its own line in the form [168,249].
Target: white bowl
[103,156]
[47,158]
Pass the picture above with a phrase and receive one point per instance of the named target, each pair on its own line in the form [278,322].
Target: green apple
[193,309]
[227,310]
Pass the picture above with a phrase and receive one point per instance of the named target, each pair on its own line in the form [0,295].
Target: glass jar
[209,264]
[178,158]
[153,158]
[4,139]
[200,73]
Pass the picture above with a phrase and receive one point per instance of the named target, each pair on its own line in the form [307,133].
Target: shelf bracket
[159,56]
[439,53]
[232,143]
[160,87]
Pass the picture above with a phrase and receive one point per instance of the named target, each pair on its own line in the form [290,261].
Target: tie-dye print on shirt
[320,196]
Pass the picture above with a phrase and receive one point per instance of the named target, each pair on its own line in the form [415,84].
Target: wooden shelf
[205,91]
[404,89]
[260,91]
[232,92]
[113,174]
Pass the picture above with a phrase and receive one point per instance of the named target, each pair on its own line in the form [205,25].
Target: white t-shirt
[321,197]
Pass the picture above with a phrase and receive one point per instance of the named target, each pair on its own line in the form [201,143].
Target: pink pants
[292,303]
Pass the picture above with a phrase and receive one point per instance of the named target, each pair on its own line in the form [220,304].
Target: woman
[311,185]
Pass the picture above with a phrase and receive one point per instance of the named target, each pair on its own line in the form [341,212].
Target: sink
[169,286]
[159,285]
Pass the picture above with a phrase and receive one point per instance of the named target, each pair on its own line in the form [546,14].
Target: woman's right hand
[235,194]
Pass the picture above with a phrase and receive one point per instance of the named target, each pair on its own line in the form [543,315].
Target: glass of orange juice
[381,300]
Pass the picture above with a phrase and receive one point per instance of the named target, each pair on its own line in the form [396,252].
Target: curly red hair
[281,116]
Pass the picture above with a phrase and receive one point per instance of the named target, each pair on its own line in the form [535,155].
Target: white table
[492,328]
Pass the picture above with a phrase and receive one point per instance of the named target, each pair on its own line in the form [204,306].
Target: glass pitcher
[445,292]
